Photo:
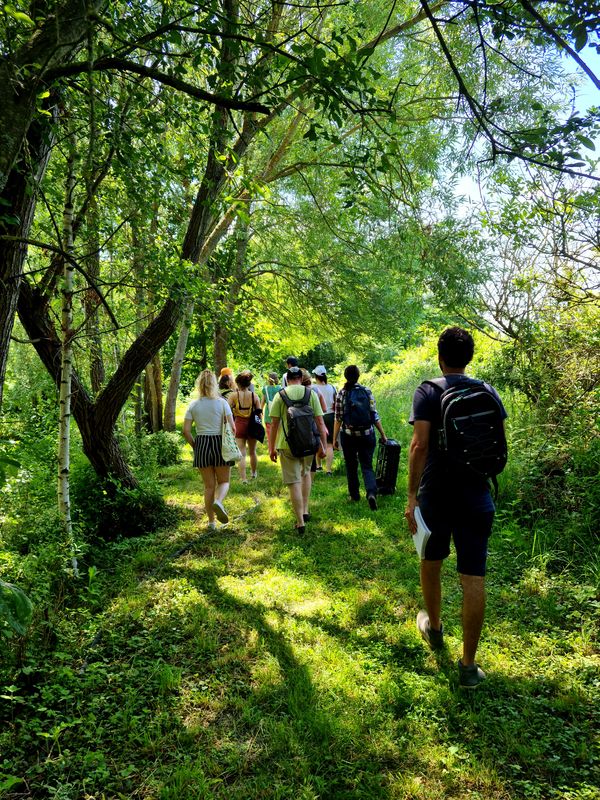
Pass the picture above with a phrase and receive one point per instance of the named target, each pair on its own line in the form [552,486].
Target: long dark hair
[352,374]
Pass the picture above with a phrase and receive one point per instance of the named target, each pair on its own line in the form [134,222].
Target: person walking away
[454,503]
[328,393]
[207,413]
[287,435]
[225,385]
[269,390]
[356,418]
[307,382]
[291,361]
[242,401]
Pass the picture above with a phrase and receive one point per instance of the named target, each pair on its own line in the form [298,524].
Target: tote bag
[229,449]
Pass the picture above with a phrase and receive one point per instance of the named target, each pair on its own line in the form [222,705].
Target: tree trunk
[96,420]
[171,399]
[221,343]
[17,204]
[153,395]
[66,365]
[22,74]
[91,301]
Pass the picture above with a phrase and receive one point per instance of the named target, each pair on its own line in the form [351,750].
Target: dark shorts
[207,452]
[329,420]
[470,531]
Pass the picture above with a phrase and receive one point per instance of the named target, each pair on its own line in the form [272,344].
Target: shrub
[107,509]
[159,449]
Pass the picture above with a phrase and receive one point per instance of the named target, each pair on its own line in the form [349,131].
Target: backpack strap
[286,400]
[438,383]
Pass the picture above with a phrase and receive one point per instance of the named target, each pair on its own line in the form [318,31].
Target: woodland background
[188,185]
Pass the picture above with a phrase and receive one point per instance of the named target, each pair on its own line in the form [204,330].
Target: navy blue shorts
[469,529]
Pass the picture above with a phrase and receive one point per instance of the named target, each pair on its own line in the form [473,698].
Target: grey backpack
[299,426]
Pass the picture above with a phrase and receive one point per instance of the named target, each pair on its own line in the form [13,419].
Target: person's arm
[379,427]
[229,417]
[187,432]
[376,417]
[322,401]
[336,434]
[417,457]
[273,437]
[337,422]
[323,434]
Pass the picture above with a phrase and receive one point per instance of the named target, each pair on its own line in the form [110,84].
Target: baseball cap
[225,371]
[320,370]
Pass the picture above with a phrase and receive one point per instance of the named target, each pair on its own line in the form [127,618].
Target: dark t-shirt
[437,482]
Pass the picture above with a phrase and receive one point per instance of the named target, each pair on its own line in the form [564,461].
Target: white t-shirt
[207,413]
[327,392]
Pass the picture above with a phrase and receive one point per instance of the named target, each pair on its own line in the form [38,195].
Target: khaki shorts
[293,469]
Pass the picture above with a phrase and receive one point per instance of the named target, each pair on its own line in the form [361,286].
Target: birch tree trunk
[174,380]
[66,365]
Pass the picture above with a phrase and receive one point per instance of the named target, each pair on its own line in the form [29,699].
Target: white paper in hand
[421,537]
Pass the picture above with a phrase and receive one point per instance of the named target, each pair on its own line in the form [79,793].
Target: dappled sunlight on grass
[252,662]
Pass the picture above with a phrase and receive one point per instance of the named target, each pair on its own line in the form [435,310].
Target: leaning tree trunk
[96,420]
[175,379]
[66,365]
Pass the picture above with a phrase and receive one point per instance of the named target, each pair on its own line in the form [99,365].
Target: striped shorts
[207,452]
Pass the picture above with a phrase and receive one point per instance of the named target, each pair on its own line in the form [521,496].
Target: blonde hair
[206,384]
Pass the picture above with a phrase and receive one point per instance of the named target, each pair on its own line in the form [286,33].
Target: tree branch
[124,65]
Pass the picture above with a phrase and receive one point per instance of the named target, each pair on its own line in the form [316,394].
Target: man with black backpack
[458,444]
[297,434]
[356,418]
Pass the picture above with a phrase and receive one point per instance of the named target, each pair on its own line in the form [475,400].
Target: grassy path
[258,664]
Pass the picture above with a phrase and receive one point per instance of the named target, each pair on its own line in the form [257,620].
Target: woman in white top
[207,414]
[327,393]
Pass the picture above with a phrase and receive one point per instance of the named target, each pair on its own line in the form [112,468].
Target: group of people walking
[235,402]
[451,500]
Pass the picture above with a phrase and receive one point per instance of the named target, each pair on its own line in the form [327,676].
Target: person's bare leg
[431,586]
[253,456]
[473,610]
[222,475]
[208,479]
[297,500]
[241,443]
[329,458]
[306,488]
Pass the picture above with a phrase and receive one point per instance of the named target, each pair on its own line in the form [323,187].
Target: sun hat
[225,371]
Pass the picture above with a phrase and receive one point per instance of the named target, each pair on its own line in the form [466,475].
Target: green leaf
[587,142]
[15,608]
[19,16]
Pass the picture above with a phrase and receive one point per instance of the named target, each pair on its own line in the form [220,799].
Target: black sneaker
[469,677]
[305,517]
[435,639]
[372,501]
[300,529]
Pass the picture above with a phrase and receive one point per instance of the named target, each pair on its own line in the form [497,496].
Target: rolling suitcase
[386,471]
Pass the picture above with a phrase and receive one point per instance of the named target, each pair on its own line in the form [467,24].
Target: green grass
[253,663]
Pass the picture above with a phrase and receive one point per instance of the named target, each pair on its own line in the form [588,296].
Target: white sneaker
[212,526]
[220,512]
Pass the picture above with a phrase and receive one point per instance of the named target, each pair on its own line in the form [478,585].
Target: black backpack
[471,433]
[357,409]
[301,435]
